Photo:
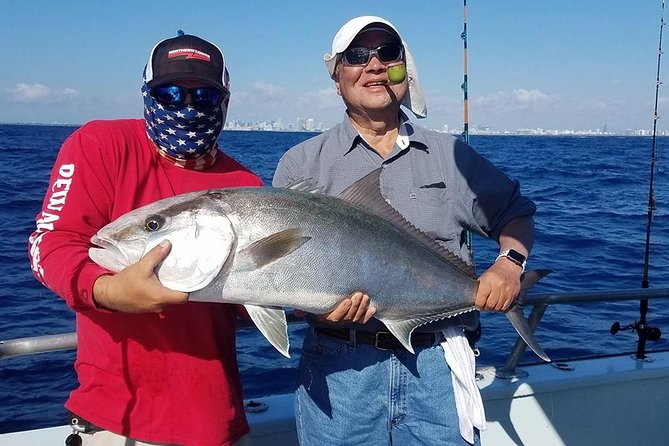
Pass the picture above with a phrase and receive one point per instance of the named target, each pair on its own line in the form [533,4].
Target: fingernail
[164,243]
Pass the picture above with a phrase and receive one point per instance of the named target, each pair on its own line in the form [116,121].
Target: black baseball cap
[187,57]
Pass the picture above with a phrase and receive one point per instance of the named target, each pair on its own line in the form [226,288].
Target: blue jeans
[350,394]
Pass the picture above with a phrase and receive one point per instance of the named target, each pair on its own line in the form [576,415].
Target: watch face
[516,256]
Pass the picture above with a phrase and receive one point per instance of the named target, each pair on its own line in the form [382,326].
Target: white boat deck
[616,400]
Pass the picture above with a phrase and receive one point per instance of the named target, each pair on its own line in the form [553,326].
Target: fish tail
[528,280]
[515,312]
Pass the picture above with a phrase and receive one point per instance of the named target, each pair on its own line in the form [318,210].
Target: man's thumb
[157,253]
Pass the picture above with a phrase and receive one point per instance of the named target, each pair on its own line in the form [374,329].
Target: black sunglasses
[361,55]
[175,95]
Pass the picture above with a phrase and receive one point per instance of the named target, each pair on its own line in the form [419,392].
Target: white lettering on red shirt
[45,222]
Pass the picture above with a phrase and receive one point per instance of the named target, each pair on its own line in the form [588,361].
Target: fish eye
[154,223]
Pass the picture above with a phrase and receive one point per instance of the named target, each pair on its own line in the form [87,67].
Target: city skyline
[309,125]
[531,65]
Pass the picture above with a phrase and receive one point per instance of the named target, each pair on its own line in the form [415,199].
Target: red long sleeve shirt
[170,377]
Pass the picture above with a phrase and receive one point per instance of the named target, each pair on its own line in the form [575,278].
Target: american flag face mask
[182,132]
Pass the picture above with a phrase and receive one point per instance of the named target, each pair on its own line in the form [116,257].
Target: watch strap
[515,257]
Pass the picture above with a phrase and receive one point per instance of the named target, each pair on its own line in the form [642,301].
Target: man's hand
[354,308]
[136,289]
[498,286]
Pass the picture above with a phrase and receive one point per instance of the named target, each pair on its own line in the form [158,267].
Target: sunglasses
[360,55]
[175,95]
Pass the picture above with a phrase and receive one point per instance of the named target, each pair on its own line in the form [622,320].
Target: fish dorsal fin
[307,185]
[366,194]
[271,248]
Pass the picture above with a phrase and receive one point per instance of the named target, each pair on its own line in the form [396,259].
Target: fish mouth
[107,255]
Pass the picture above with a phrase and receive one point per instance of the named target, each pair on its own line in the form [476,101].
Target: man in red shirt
[152,367]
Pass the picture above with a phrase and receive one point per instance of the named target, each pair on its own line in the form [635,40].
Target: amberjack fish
[275,248]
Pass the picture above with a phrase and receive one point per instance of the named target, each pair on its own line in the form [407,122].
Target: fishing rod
[648,333]
[644,331]
[473,336]
[463,36]
[465,129]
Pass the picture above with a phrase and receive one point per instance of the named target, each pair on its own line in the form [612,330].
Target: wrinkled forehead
[375,35]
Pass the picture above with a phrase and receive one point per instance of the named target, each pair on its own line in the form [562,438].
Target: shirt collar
[403,134]
[416,136]
[348,135]
[409,135]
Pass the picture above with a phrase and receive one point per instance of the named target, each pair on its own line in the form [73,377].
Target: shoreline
[521,132]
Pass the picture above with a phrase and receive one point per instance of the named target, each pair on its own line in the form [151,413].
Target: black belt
[383,340]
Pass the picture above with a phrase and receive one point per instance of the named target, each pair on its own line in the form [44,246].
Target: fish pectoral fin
[515,315]
[271,322]
[266,250]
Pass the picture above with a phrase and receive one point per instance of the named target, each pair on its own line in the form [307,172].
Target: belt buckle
[79,425]
[376,340]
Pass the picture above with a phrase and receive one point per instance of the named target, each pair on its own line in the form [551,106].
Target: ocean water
[592,195]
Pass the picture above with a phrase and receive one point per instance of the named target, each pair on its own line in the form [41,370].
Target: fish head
[201,234]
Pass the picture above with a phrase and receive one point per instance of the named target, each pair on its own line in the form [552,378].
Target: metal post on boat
[68,341]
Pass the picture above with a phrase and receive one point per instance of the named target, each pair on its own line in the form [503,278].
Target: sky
[569,64]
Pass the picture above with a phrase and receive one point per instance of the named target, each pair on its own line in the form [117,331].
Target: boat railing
[538,302]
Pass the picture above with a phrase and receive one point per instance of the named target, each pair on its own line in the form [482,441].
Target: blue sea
[591,192]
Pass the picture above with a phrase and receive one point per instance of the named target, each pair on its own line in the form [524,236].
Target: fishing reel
[645,332]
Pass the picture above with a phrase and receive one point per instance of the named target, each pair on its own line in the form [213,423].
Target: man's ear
[335,76]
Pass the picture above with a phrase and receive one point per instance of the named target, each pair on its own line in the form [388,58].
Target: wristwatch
[515,257]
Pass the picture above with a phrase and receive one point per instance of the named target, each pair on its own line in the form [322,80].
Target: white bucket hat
[413,99]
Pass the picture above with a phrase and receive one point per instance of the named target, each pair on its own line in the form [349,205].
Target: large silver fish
[272,248]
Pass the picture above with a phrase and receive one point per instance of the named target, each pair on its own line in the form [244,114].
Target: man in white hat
[356,383]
